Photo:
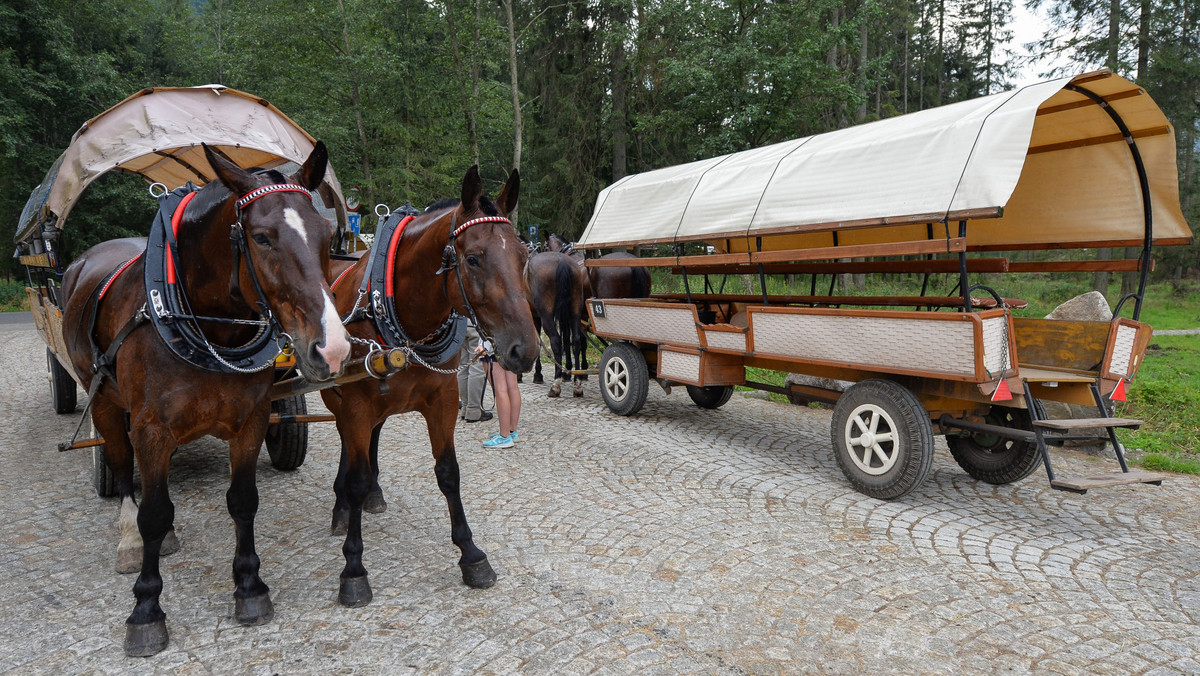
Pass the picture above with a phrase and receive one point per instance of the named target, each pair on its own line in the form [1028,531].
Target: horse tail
[564,302]
[641,283]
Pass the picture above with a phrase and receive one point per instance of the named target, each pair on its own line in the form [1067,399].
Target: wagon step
[1124,477]
[1082,484]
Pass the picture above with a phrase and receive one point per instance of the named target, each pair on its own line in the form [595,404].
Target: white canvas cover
[1041,166]
[156,134]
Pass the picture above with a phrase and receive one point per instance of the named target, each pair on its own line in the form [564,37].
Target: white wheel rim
[616,379]
[872,440]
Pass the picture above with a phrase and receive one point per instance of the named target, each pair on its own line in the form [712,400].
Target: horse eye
[473,261]
[262,240]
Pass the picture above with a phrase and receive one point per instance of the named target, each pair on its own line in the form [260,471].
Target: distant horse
[607,282]
[232,308]
[556,296]
[458,259]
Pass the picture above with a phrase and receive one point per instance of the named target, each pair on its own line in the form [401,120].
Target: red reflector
[1118,393]
[1002,392]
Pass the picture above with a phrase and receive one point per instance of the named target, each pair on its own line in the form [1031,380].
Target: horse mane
[209,199]
[485,205]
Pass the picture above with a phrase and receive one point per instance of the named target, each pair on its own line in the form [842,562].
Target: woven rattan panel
[894,343]
[652,324]
[672,365]
[726,340]
[995,345]
[1122,353]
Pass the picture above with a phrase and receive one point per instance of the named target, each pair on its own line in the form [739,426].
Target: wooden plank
[1082,423]
[941,265]
[1061,344]
[890,301]
[1083,484]
[1120,265]
[1097,140]
[667,261]
[1035,374]
[1117,96]
[921,246]
[1110,243]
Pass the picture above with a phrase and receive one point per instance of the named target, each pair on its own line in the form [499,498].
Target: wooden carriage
[157,134]
[1073,163]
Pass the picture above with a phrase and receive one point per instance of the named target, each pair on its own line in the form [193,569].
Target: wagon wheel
[287,443]
[995,459]
[624,378]
[104,480]
[712,396]
[62,385]
[882,438]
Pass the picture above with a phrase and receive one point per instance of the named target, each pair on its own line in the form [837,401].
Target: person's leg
[502,401]
[514,400]
[470,381]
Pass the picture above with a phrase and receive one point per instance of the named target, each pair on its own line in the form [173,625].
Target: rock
[812,381]
[1089,307]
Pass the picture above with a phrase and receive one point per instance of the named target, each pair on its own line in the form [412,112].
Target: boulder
[1089,307]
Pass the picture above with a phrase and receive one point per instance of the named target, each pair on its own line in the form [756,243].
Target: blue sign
[533,233]
[353,221]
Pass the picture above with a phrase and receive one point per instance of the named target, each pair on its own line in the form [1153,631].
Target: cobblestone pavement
[678,541]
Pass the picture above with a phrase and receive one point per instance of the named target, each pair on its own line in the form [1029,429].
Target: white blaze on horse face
[337,347]
[296,221]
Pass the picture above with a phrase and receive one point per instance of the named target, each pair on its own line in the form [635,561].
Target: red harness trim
[268,189]
[333,287]
[391,257]
[126,264]
[175,220]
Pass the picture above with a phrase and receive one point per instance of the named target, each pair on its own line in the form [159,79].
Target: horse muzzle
[323,359]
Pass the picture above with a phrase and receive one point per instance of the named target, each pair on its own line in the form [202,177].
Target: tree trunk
[356,106]
[516,92]
[619,133]
[468,102]
[1130,280]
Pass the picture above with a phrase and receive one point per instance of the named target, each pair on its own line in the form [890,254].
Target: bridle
[450,262]
[239,246]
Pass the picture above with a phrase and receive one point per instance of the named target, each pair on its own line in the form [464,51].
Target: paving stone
[675,541]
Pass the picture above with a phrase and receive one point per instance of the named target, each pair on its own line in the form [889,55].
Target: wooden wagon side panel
[953,346]
[47,318]
[646,322]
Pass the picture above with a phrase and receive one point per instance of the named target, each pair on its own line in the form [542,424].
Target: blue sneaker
[515,438]
[498,440]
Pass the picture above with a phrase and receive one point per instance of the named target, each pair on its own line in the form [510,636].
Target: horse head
[286,258]
[490,260]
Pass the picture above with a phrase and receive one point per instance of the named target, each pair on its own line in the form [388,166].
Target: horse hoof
[375,504]
[341,522]
[354,592]
[554,392]
[538,380]
[253,611]
[129,560]
[479,574]
[170,544]
[578,392]
[144,640]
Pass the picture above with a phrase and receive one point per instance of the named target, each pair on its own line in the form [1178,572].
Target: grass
[1166,394]
[13,297]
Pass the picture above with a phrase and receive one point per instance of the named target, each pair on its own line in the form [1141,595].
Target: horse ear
[237,179]
[312,172]
[472,189]
[507,199]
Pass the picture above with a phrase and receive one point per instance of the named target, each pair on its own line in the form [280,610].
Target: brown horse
[458,258]
[147,399]
[557,289]
[607,282]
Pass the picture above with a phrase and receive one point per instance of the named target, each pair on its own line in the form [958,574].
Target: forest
[576,93]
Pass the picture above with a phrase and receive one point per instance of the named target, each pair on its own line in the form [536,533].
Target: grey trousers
[471,381]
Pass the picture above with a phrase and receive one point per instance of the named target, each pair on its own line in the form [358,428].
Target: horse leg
[580,360]
[109,421]
[375,503]
[476,571]
[252,598]
[354,590]
[537,363]
[146,628]
[341,506]
[557,351]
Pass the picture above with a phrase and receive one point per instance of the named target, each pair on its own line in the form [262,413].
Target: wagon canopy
[1043,166]
[156,134]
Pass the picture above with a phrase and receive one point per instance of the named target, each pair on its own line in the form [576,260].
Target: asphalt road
[678,541]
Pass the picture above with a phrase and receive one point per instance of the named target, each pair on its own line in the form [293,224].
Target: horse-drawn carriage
[1072,163]
[157,134]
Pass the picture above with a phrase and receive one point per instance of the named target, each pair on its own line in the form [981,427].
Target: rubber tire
[996,460]
[104,480]
[712,396]
[63,391]
[287,443]
[912,449]
[622,367]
